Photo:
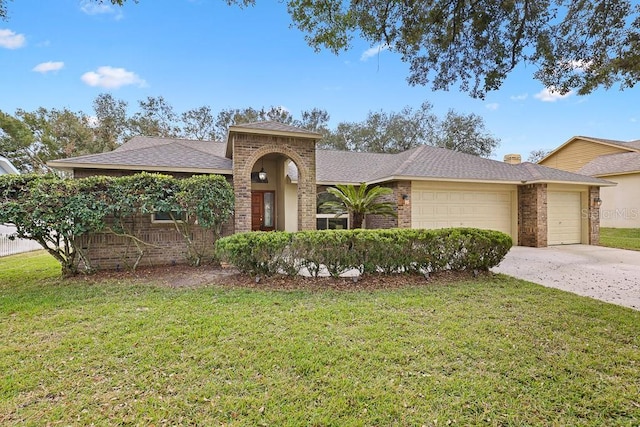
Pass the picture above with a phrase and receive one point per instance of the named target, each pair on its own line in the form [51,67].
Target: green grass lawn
[623,238]
[494,352]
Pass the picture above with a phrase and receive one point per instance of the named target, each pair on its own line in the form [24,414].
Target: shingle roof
[334,166]
[424,162]
[611,164]
[137,142]
[141,153]
[427,162]
[632,145]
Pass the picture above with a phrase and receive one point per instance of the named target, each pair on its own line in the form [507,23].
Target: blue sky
[64,53]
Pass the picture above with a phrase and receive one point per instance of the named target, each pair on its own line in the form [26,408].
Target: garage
[564,219]
[445,205]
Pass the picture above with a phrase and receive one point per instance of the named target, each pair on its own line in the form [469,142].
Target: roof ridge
[181,143]
[416,151]
[174,139]
[532,170]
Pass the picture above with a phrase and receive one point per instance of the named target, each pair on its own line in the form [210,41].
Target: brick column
[307,189]
[404,209]
[532,215]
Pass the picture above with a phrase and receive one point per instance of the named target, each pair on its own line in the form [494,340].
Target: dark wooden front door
[263,210]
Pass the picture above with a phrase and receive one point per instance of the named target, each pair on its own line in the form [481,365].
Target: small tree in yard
[54,212]
[358,202]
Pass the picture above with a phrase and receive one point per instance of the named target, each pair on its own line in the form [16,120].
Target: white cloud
[493,106]
[373,51]
[92,8]
[11,40]
[46,67]
[550,94]
[519,97]
[112,78]
[580,65]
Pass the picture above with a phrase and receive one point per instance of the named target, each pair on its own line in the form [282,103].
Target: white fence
[10,247]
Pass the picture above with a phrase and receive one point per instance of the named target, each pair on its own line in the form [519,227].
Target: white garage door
[463,205]
[564,219]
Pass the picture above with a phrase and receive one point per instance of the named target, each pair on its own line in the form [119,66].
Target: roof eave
[67,166]
[307,135]
[600,175]
[433,178]
[604,183]
[586,138]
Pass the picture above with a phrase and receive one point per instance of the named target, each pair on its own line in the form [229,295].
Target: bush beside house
[369,251]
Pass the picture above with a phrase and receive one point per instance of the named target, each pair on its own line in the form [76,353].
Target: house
[7,246]
[6,167]
[278,174]
[616,161]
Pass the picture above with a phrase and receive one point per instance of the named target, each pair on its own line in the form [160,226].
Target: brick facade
[402,208]
[160,243]
[532,215]
[249,148]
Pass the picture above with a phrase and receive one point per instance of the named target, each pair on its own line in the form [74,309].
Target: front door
[263,210]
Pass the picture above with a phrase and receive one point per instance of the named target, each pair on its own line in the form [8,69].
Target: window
[330,222]
[326,220]
[163,217]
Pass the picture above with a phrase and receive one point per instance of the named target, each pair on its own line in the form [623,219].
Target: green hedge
[368,251]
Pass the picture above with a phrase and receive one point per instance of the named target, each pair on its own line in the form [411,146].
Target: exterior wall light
[405,199]
[597,202]
[262,175]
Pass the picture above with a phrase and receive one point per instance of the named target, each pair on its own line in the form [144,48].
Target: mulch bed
[184,276]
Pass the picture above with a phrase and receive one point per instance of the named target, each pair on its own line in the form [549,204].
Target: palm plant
[358,201]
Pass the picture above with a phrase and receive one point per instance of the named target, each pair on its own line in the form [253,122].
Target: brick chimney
[513,159]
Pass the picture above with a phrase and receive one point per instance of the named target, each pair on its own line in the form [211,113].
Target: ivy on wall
[56,211]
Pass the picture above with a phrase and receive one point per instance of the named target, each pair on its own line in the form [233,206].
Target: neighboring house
[432,187]
[6,167]
[7,246]
[616,161]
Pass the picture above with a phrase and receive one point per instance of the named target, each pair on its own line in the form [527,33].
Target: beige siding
[486,206]
[290,207]
[578,153]
[621,204]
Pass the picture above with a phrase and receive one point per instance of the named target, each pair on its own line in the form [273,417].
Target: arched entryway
[269,205]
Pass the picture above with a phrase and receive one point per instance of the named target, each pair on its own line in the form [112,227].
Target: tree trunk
[357,220]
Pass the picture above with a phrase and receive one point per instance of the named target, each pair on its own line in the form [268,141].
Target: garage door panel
[564,219]
[462,208]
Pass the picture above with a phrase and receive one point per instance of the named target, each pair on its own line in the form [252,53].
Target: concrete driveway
[611,275]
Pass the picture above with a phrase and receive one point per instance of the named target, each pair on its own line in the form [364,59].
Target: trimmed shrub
[368,251]
[332,249]
[257,253]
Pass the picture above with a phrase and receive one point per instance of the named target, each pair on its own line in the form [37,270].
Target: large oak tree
[575,44]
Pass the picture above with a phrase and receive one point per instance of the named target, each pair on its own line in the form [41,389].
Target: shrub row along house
[613,160]
[277,175]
